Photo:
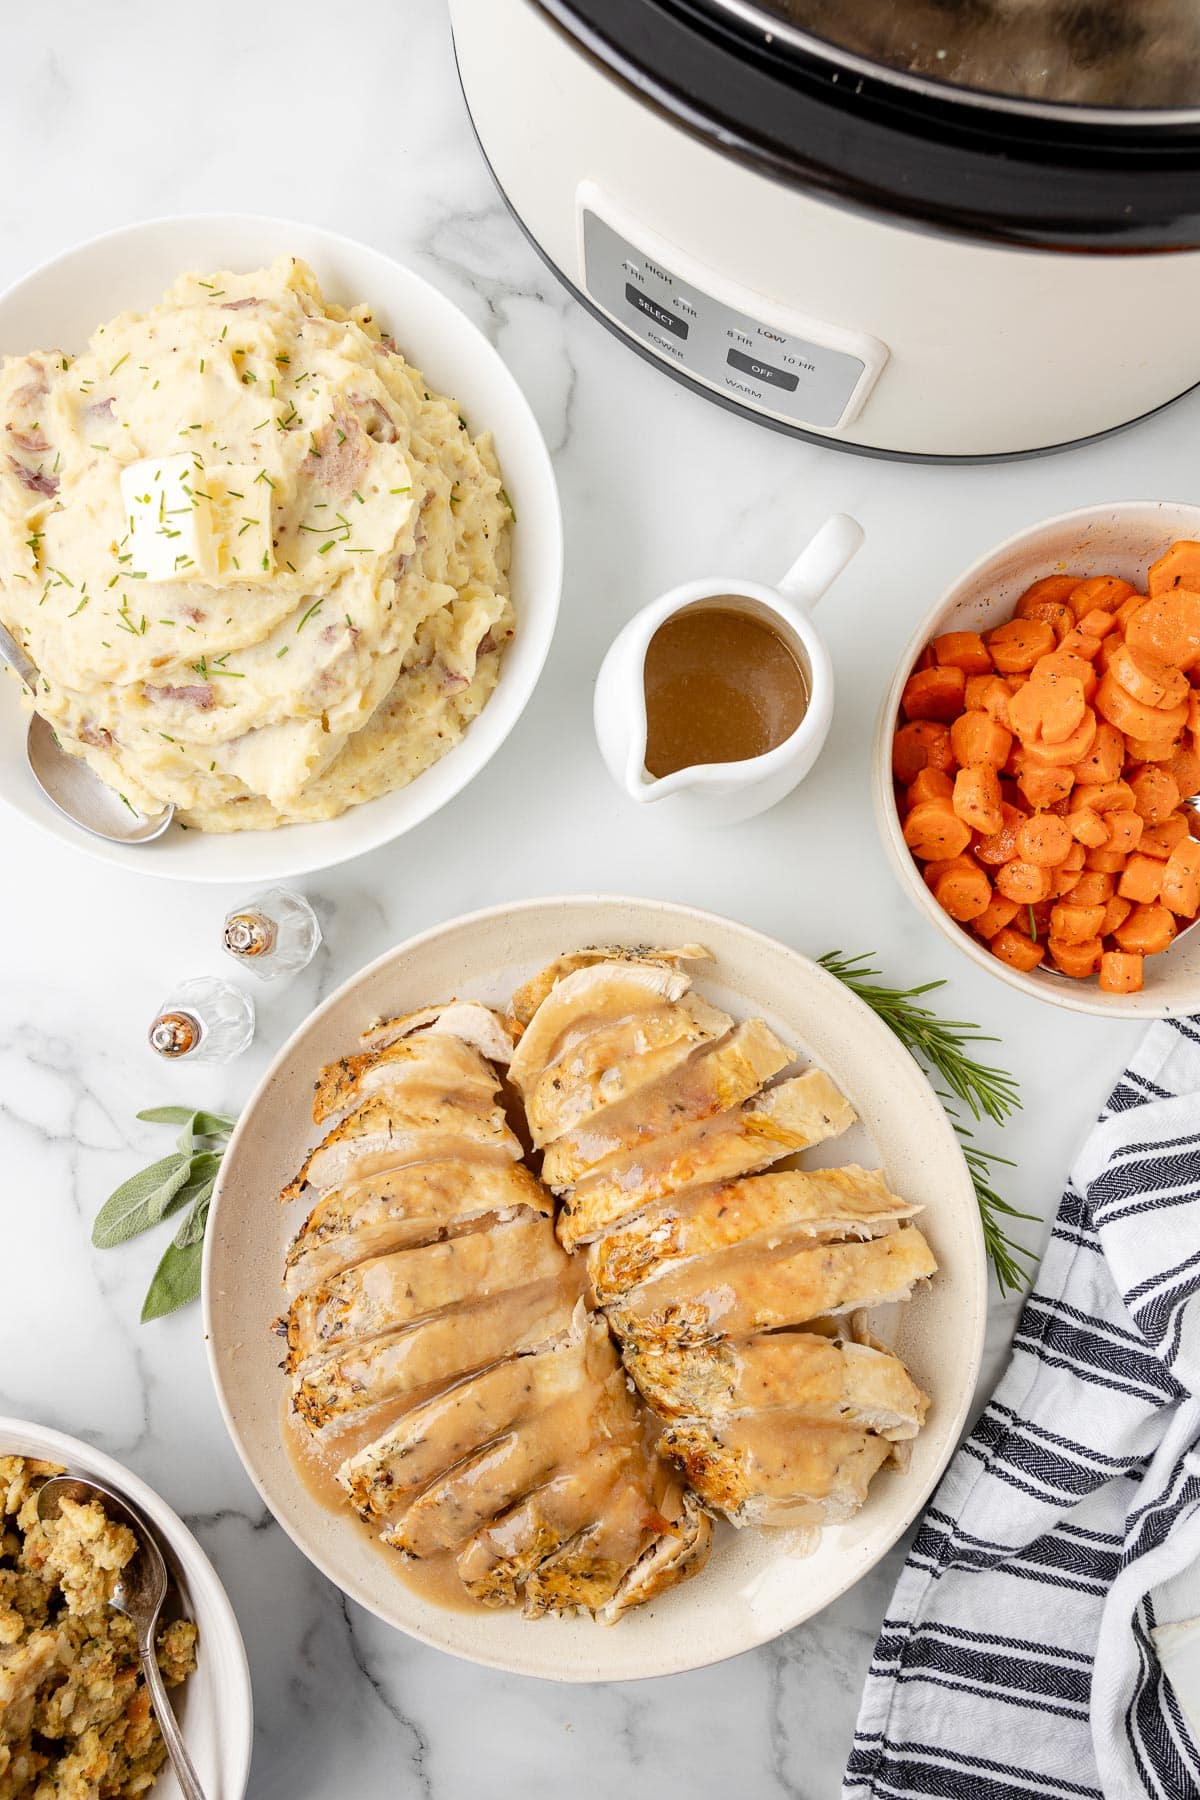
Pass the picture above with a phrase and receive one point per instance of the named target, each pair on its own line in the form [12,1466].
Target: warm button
[660,314]
[750,365]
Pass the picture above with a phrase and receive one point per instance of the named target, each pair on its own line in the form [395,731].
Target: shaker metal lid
[893,141]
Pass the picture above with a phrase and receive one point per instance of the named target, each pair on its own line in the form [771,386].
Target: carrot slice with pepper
[999,913]
[1168,626]
[1017,951]
[963,650]
[921,744]
[1147,677]
[1120,972]
[1073,923]
[1044,784]
[1133,717]
[1093,886]
[934,830]
[1181,879]
[930,784]
[1155,793]
[1159,840]
[1001,846]
[1043,839]
[1087,827]
[1116,911]
[1147,931]
[977,799]
[934,694]
[1015,647]
[1024,882]
[1177,567]
[977,741]
[1141,879]
[1079,959]
[963,890]
[1099,593]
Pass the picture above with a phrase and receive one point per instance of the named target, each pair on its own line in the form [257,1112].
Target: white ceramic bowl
[1122,538]
[60,304]
[753,1587]
[214,1705]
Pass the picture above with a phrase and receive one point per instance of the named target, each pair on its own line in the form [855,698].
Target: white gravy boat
[722,793]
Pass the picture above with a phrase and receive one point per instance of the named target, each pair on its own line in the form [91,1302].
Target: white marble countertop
[355,121]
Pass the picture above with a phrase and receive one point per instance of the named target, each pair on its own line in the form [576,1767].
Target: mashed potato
[75,1718]
[296,600]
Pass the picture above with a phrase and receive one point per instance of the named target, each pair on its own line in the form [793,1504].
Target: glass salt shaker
[206,1019]
[274,936]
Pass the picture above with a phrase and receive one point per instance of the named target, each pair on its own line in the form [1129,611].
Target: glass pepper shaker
[206,1019]
[274,936]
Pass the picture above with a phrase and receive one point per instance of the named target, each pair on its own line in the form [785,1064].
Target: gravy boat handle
[821,561]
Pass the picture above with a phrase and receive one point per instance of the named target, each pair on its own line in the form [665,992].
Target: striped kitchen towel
[1057,1569]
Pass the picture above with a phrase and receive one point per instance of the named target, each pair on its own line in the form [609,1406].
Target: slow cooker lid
[1118,55]
[863,133]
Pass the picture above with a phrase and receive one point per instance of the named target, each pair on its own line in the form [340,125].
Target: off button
[750,365]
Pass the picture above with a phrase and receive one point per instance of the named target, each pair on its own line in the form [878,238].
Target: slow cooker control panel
[801,371]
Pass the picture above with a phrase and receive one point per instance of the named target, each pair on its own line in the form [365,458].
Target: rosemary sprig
[945,1046]
[183,1181]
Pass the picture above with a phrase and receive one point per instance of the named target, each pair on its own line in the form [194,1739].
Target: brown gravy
[720,686]
[435,1578]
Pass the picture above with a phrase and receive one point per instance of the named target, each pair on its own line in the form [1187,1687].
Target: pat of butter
[242,523]
[170,519]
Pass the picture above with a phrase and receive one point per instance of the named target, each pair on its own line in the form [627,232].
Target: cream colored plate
[752,1588]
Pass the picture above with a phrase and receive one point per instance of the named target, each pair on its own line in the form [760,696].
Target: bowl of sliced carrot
[1037,752]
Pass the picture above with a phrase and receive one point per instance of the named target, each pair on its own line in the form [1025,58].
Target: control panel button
[761,371]
[653,310]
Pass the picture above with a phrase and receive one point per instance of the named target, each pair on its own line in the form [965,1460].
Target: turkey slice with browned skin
[414,1204]
[792,1116]
[427,1061]
[331,1395]
[581,1001]
[495,1563]
[384,1133]
[832,1379]
[821,1204]
[530,994]
[617,1060]
[679,1552]
[586,1571]
[451,1509]
[469,1020]
[778,1468]
[714,1079]
[470,1413]
[386,1292]
[761,1287]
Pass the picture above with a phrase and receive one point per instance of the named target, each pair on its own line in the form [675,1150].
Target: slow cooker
[956,229]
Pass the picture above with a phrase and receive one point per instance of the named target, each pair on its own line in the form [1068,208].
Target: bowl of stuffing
[75,1715]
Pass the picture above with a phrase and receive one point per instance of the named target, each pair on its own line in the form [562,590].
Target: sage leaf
[191,1229]
[176,1281]
[140,1202]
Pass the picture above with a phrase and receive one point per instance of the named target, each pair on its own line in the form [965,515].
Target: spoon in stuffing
[68,782]
[139,1592]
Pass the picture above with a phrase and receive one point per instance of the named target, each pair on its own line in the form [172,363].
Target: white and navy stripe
[1016,1661]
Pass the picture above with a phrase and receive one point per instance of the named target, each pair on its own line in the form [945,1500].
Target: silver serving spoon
[139,1593]
[68,782]
[1191,804]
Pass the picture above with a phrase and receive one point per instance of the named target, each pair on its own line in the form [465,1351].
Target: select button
[750,365]
[661,314]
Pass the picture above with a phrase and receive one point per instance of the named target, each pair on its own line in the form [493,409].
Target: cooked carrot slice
[1106,757]
[1079,959]
[1155,792]
[1073,923]
[1100,593]
[976,687]
[977,741]
[1017,951]
[1141,879]
[1167,626]
[1177,567]
[994,699]
[963,891]
[999,913]
[1181,879]
[1120,973]
[1044,784]
[934,694]
[1125,829]
[1087,827]
[1043,839]
[1184,765]
[1070,750]
[1015,647]
[1081,643]
[1105,796]
[1054,613]
[1105,861]
[930,784]
[921,744]
[1159,840]
[1024,882]
[1147,677]
[1116,911]
[1001,846]
[963,650]
[977,799]
[1058,588]
[1116,704]
[1097,623]
[1065,665]
[933,829]
[1095,885]
[1125,612]
[1147,931]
